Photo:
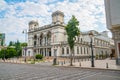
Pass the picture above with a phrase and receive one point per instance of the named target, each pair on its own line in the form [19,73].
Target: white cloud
[2,4]
[88,12]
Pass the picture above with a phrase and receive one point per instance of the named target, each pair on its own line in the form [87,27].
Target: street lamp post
[92,55]
[25,48]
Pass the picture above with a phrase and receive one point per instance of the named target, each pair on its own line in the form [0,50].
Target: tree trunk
[71,57]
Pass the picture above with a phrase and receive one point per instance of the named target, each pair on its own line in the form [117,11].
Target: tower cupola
[57,17]
[33,24]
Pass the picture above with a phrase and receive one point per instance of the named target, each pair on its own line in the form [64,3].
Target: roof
[33,22]
[57,12]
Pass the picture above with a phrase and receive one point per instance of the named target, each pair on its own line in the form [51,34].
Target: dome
[57,12]
[33,22]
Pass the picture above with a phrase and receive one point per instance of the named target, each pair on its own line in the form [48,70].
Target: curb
[88,68]
[14,63]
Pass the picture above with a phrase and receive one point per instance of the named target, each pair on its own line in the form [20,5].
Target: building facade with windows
[112,8]
[51,40]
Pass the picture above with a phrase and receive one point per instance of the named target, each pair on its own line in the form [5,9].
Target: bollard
[80,64]
[78,60]
[74,60]
[64,61]
[107,65]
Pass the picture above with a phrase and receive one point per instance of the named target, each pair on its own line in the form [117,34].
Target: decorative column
[116,37]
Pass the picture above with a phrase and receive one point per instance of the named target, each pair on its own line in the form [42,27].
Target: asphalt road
[9,71]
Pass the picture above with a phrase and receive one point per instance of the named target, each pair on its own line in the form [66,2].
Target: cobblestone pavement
[9,71]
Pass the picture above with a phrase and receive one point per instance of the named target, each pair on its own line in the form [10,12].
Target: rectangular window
[77,50]
[84,50]
[67,50]
[81,50]
[87,50]
[62,50]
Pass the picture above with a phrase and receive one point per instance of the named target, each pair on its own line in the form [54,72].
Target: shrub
[38,56]
[32,62]
[96,56]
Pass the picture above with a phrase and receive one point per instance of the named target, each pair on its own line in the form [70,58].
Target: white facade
[51,40]
[112,8]
[112,13]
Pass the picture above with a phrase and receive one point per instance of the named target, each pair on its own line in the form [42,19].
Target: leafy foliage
[14,49]
[8,53]
[72,31]
[23,44]
[38,56]
[11,43]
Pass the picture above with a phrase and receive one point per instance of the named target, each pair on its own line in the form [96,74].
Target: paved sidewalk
[99,64]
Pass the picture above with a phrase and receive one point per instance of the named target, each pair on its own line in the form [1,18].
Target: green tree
[11,43]
[2,53]
[11,52]
[18,48]
[23,44]
[8,53]
[72,31]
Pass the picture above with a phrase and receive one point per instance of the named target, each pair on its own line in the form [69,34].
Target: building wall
[51,40]
[113,23]
[112,8]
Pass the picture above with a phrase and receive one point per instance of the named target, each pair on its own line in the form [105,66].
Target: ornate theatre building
[51,40]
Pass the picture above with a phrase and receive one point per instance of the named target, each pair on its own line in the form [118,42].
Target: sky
[16,14]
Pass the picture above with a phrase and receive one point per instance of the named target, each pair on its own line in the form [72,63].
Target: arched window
[35,40]
[48,37]
[81,40]
[41,39]
[28,53]
[35,37]
[62,50]
[34,43]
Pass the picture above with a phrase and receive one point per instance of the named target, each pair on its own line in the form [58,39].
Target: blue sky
[15,15]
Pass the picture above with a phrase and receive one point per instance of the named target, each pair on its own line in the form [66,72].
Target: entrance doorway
[49,51]
[119,49]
